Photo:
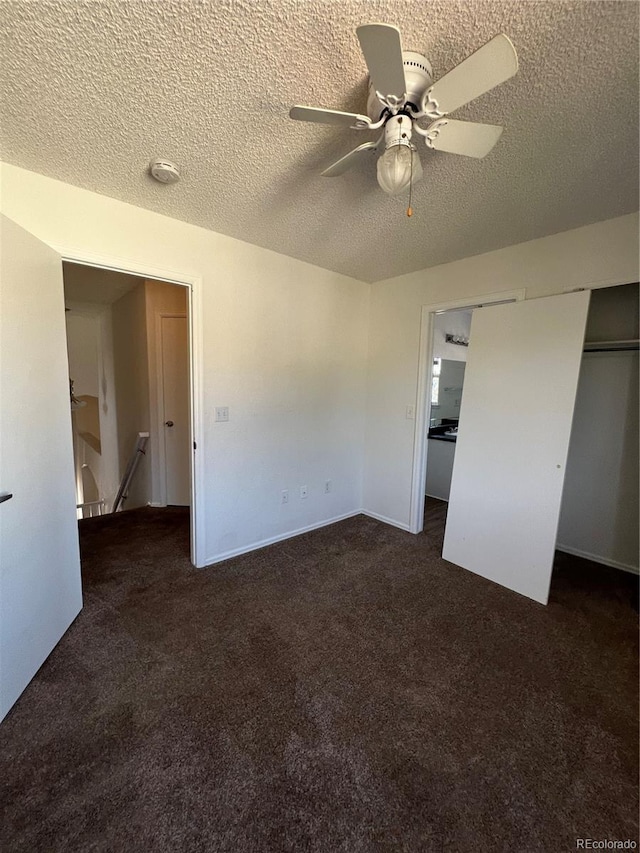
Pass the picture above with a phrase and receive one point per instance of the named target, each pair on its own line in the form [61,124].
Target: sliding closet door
[515,422]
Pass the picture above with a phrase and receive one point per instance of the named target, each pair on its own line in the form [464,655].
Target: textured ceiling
[91,91]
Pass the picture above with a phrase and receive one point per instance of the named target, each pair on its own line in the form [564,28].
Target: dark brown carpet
[346,690]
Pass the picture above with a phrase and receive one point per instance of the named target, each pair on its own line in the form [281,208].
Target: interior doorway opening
[451,330]
[129,346]
[445,335]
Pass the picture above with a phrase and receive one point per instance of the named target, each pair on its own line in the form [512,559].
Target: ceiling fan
[402,94]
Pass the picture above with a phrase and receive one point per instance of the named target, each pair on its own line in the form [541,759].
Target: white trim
[255,546]
[596,558]
[196,362]
[159,316]
[419,470]
[193,283]
[124,265]
[390,521]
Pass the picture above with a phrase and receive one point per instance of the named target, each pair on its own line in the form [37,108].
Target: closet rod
[611,346]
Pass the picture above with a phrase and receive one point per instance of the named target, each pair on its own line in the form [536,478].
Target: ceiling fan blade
[362,152]
[318,114]
[382,50]
[490,65]
[464,137]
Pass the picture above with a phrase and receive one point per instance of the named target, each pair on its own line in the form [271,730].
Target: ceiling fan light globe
[395,169]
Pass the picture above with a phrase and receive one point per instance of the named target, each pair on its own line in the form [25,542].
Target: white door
[40,586]
[175,399]
[513,438]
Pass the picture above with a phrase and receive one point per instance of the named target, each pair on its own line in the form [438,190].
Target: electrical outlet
[411,413]
[303,492]
[285,496]
[222,413]
[328,486]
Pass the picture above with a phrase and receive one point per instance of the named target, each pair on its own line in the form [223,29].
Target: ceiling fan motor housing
[418,76]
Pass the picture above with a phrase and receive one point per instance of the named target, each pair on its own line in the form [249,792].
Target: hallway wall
[129,325]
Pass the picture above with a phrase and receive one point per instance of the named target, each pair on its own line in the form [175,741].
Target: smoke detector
[164,171]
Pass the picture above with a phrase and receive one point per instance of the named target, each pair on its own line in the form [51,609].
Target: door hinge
[195,446]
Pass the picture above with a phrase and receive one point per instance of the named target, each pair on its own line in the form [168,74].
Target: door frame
[423,402]
[159,408]
[195,329]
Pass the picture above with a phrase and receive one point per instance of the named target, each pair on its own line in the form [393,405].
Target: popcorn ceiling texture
[92,91]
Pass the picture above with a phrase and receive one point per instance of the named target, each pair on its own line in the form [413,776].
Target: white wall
[131,372]
[82,348]
[451,323]
[83,333]
[599,513]
[284,347]
[600,503]
[110,477]
[603,252]
[90,347]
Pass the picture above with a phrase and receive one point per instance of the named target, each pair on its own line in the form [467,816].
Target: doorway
[129,346]
[438,322]
[41,567]
[449,355]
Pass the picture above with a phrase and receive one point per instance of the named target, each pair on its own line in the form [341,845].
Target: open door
[174,342]
[513,439]
[40,585]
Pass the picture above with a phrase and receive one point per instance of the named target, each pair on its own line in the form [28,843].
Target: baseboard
[255,546]
[596,558]
[386,520]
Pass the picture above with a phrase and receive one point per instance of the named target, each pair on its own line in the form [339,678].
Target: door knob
[168,423]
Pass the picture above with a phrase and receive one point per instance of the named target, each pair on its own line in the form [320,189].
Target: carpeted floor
[346,690]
